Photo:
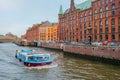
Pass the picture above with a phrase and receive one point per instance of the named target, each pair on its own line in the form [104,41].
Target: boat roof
[34,54]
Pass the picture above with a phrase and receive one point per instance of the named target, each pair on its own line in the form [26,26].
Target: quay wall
[101,51]
[53,46]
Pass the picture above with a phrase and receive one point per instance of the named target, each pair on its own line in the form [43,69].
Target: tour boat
[31,58]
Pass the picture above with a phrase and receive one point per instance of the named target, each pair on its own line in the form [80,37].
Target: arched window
[106,14]
[106,22]
[106,8]
[95,11]
[113,21]
[100,9]
[113,13]
[113,6]
[100,23]
[100,15]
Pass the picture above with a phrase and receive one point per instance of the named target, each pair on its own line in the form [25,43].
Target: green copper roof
[60,11]
[84,5]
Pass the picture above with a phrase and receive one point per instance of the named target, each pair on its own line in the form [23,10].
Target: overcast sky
[17,15]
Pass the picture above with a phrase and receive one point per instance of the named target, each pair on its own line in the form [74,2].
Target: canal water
[64,67]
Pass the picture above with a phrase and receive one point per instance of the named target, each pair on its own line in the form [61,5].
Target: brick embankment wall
[100,52]
[52,45]
[103,52]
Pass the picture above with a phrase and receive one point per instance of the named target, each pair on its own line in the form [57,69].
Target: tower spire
[72,6]
[60,10]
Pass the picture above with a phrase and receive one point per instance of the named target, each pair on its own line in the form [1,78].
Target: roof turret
[61,10]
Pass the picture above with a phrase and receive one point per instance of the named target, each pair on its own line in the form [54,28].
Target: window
[95,31]
[119,21]
[84,25]
[106,22]
[99,3]
[95,24]
[95,4]
[84,19]
[106,1]
[100,15]
[106,8]
[81,15]
[113,6]
[80,26]
[95,37]
[100,37]
[95,17]
[85,15]
[119,29]
[85,32]
[113,29]
[100,9]
[119,36]
[95,11]
[103,2]
[90,18]
[106,37]
[90,13]
[113,13]
[119,11]
[113,36]
[106,30]
[100,23]
[106,14]
[100,30]
[119,4]
[113,21]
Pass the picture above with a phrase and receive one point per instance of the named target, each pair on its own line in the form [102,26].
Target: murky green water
[63,68]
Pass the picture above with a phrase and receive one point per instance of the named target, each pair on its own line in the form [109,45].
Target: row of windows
[95,16]
[102,3]
[106,8]
[106,22]
[101,10]
[106,37]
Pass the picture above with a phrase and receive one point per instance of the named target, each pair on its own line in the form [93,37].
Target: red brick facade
[99,22]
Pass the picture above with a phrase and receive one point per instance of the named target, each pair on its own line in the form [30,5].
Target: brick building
[51,32]
[92,20]
[32,34]
[42,32]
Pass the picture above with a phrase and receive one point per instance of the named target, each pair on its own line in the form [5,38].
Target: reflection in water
[64,67]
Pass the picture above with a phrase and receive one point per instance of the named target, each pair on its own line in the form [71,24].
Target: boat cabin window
[37,58]
[30,58]
[43,58]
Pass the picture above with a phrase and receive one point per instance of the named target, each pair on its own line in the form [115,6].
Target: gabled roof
[84,5]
